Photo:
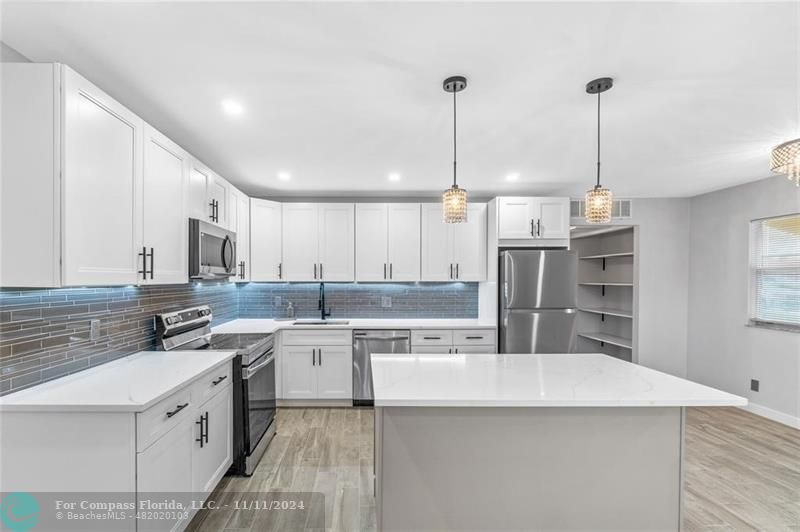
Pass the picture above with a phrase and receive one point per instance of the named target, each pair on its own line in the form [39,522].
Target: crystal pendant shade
[599,203]
[786,160]
[454,204]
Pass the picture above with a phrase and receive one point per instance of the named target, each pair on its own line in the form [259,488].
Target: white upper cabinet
[208,196]
[300,230]
[533,218]
[336,241]
[101,187]
[318,242]
[164,226]
[241,212]
[469,245]
[453,252]
[372,242]
[388,242]
[265,240]
[552,216]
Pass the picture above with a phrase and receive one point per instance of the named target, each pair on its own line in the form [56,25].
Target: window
[775,271]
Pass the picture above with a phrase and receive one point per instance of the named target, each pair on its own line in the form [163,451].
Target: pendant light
[785,157]
[454,199]
[599,200]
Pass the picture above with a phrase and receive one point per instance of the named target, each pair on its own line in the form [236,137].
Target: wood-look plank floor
[741,472]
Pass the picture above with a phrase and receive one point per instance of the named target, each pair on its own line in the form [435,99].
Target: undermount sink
[321,322]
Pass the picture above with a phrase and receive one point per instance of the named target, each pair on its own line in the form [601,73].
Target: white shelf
[619,341]
[622,313]
[608,255]
[606,284]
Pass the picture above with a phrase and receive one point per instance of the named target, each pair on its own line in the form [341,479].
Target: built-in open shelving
[606,338]
[608,255]
[606,321]
[619,312]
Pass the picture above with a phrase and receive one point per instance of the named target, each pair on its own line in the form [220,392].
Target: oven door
[258,381]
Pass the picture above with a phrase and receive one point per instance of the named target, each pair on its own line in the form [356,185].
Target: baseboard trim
[314,403]
[774,415]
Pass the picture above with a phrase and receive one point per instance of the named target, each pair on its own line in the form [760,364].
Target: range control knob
[169,321]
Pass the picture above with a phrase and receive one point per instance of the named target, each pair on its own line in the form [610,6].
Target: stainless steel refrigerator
[538,296]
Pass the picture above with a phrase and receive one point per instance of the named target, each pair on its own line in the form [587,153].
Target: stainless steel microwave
[212,251]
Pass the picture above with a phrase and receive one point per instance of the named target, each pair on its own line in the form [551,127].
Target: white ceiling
[342,94]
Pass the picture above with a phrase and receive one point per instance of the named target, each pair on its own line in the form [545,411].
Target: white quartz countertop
[130,384]
[544,380]
[270,326]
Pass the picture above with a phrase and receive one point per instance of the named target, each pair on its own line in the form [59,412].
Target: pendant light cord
[598,138]
[454,139]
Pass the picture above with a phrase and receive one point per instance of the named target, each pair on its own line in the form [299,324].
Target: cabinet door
[334,372]
[299,372]
[437,245]
[474,349]
[515,218]
[164,228]
[337,260]
[371,242]
[217,192]
[469,245]
[101,187]
[166,466]
[243,242]
[197,204]
[211,460]
[300,230]
[265,240]
[553,217]
[404,241]
[432,349]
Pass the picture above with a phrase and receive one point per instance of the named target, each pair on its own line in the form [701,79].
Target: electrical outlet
[754,385]
[278,301]
[94,329]
[386,301]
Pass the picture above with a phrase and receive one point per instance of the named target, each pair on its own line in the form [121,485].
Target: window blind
[775,270]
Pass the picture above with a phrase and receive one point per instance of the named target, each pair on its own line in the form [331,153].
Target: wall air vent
[620,211]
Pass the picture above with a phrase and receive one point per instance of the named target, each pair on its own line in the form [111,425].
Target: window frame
[752,296]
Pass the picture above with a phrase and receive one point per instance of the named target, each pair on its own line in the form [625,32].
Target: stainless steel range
[254,398]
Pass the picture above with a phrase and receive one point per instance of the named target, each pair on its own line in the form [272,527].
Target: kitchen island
[520,442]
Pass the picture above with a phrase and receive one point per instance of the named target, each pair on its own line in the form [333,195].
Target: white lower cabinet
[456,341]
[212,450]
[335,372]
[316,364]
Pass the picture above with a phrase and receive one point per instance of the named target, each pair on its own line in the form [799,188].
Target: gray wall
[10,55]
[722,351]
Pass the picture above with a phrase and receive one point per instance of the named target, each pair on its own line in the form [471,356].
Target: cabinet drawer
[211,382]
[432,337]
[474,336]
[161,417]
[315,337]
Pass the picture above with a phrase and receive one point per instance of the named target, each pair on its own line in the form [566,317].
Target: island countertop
[528,380]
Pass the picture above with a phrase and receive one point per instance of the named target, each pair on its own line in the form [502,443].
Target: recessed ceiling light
[284,176]
[394,176]
[514,176]
[232,107]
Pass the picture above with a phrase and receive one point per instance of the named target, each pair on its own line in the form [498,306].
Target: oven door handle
[250,371]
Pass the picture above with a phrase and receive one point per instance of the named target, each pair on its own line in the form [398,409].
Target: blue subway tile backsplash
[44,333]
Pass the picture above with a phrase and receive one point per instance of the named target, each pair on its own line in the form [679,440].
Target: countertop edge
[110,408]
[433,403]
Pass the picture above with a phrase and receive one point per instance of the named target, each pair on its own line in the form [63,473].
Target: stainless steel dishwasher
[373,341]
